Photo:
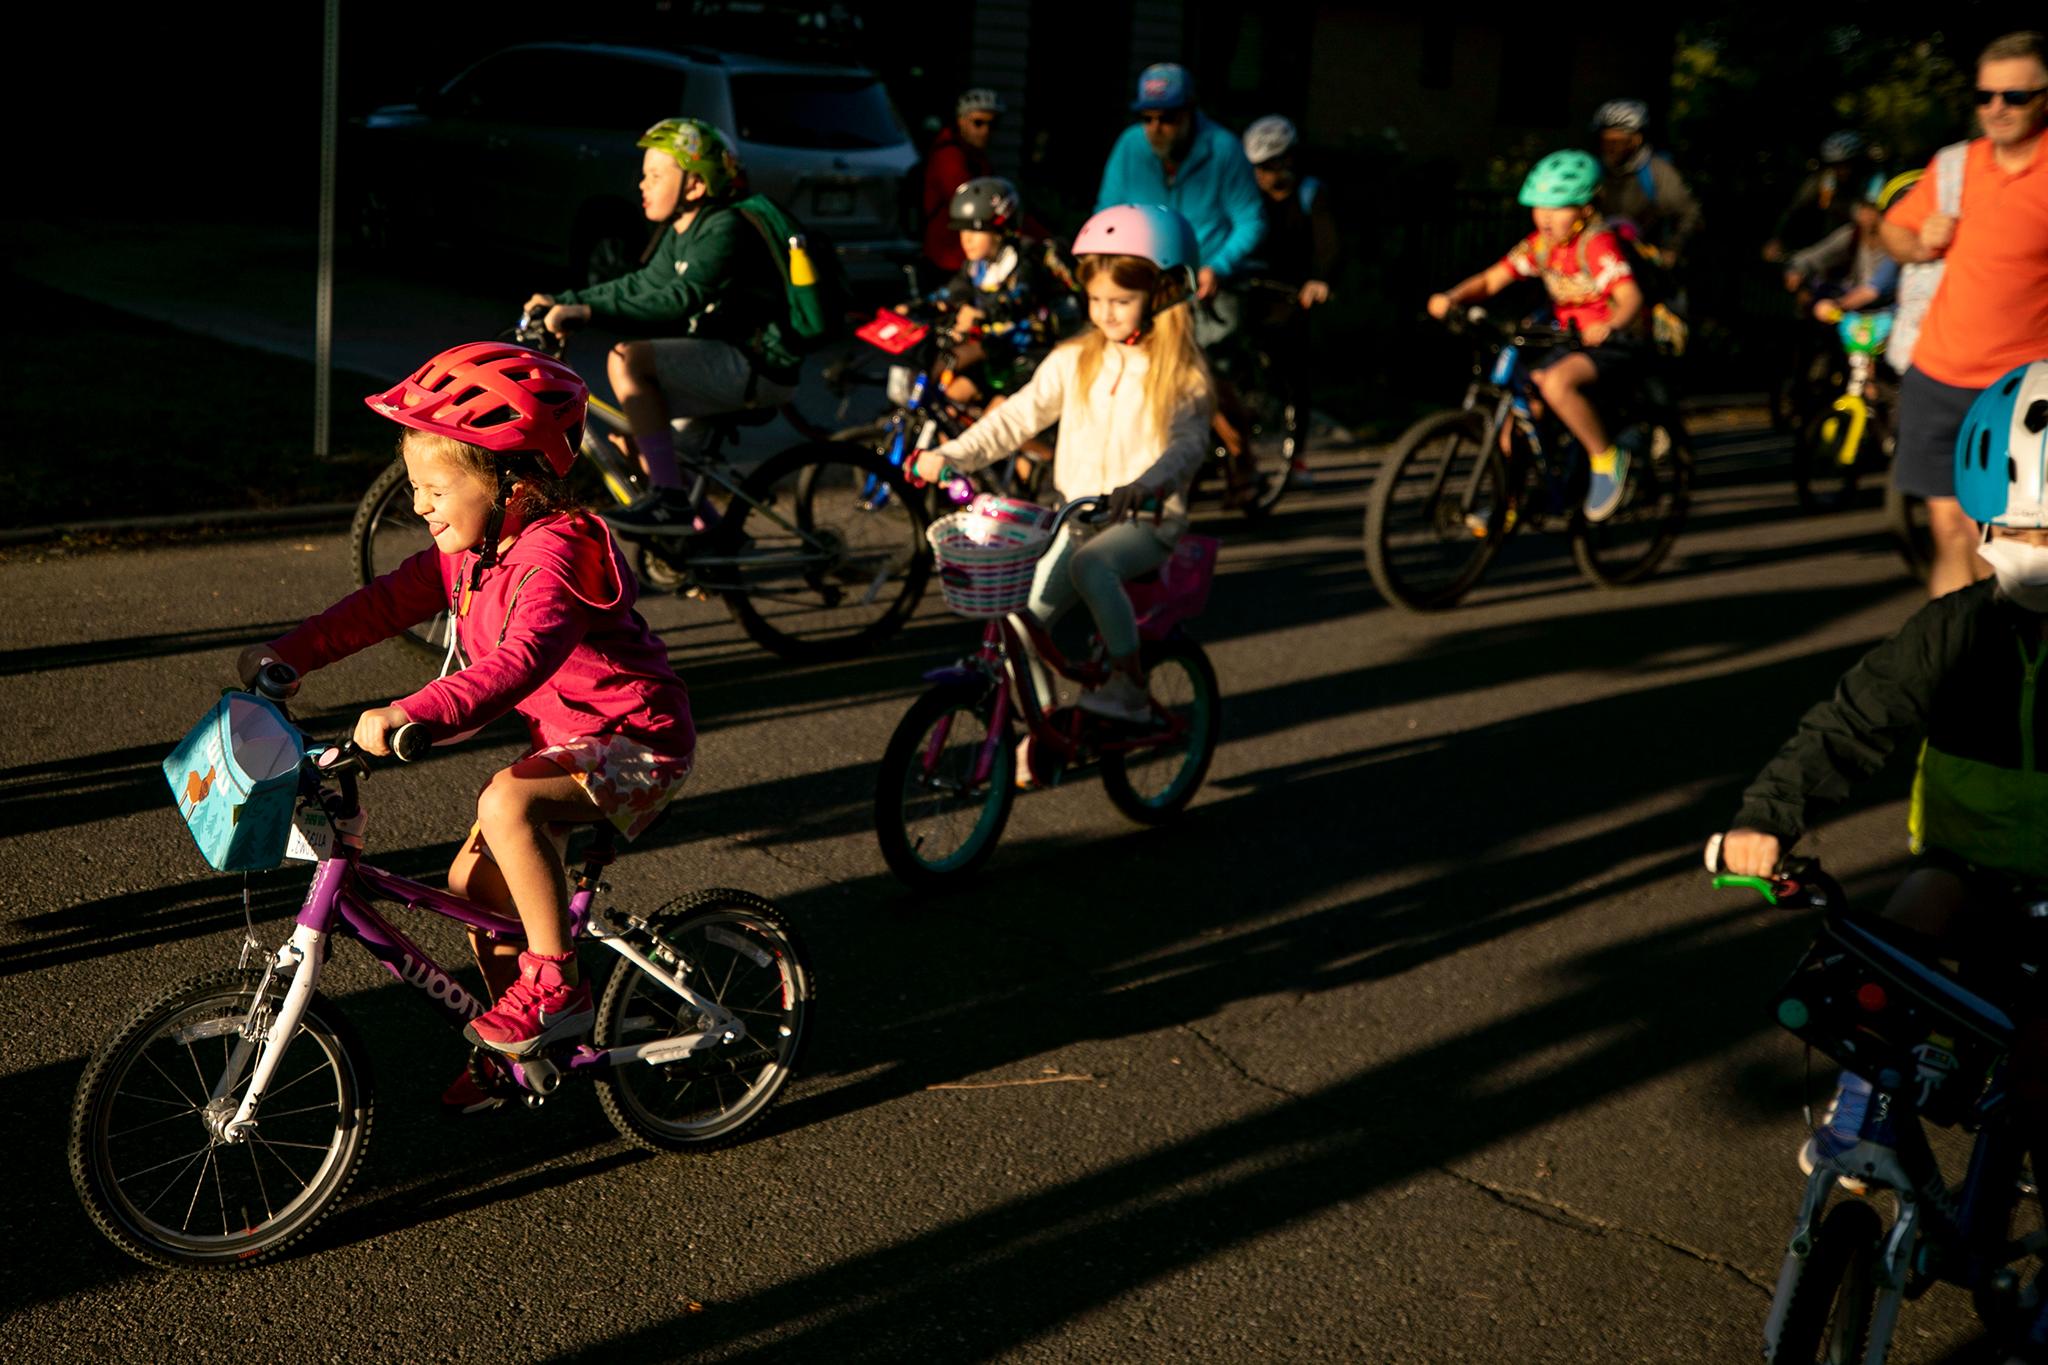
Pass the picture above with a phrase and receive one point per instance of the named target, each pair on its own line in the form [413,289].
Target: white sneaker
[1121,698]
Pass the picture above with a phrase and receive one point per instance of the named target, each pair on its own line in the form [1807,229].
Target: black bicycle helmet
[987,204]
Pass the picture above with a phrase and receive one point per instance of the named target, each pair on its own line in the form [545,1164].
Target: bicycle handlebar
[1476,319]
[1798,883]
[1079,509]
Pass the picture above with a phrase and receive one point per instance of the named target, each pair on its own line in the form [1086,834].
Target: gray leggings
[1085,565]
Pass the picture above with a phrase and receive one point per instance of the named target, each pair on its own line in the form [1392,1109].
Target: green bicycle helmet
[698,148]
[1562,180]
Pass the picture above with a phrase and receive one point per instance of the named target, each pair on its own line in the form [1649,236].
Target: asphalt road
[1420,1038]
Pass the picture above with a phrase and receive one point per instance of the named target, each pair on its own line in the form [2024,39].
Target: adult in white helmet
[1640,185]
[1300,248]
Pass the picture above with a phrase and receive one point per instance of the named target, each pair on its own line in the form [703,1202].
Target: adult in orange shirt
[1991,312]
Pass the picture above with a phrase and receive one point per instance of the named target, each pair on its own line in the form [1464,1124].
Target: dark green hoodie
[715,280]
[1966,676]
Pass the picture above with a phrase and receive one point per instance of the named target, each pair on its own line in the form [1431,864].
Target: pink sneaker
[537,1009]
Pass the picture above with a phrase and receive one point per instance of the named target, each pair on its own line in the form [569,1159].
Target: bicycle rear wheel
[734,948]
[1628,546]
[1828,1317]
[935,822]
[385,533]
[146,1155]
[1153,785]
[822,555]
[1438,513]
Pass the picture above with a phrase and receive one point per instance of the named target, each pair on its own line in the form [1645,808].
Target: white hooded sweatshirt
[1106,438]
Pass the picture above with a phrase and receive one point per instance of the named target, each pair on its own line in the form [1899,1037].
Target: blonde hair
[1177,371]
[540,492]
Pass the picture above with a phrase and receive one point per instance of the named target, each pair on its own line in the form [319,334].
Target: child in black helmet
[1000,296]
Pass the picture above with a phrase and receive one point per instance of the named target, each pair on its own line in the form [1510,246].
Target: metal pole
[323,302]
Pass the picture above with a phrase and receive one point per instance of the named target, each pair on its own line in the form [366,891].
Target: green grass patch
[117,416]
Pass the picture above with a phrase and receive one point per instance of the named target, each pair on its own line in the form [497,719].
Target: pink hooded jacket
[551,633]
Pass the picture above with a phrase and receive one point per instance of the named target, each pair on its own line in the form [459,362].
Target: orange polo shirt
[1991,312]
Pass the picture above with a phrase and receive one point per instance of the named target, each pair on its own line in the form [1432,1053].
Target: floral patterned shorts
[623,778]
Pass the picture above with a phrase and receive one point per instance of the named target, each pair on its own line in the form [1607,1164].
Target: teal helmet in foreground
[1562,180]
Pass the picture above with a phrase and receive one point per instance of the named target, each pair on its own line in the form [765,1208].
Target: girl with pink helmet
[1133,399]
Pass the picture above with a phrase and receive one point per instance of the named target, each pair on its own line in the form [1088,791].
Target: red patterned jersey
[1580,274]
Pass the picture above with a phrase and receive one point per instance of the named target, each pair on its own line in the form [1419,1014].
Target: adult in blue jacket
[1177,157]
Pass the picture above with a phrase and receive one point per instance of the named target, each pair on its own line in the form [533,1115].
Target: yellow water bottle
[800,273]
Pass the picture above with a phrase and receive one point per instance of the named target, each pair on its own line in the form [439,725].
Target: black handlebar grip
[410,742]
[277,681]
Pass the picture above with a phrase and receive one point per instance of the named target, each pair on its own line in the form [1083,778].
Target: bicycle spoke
[318,1067]
[175,1087]
[197,1185]
[153,1123]
[268,1146]
[262,1190]
[187,1159]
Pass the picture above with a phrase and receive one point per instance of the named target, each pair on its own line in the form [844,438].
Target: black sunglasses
[2013,98]
[1151,119]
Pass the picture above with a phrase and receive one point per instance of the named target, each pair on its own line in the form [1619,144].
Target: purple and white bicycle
[228,1116]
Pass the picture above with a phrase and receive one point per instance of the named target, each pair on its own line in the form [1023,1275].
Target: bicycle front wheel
[1274,437]
[738,950]
[1825,465]
[147,1156]
[1828,1317]
[1628,546]
[1905,517]
[385,533]
[1154,784]
[822,554]
[938,810]
[1438,513]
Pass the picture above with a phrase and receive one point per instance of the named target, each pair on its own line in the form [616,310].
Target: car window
[502,89]
[799,110]
[615,93]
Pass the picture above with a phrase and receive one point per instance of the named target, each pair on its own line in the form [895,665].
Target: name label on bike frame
[1504,367]
[312,836]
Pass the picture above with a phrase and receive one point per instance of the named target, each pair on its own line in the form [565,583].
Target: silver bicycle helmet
[1846,145]
[1631,115]
[1267,138]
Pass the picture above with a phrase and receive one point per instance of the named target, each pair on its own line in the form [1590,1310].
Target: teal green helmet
[1562,180]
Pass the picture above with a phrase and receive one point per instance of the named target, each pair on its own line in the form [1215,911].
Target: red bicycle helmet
[494,395]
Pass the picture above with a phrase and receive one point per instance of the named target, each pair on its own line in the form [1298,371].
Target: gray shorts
[1930,415]
[703,378]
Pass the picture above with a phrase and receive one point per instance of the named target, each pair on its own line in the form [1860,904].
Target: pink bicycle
[950,773]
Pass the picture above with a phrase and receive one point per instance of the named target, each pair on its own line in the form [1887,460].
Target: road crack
[1527,1201]
[1592,1224]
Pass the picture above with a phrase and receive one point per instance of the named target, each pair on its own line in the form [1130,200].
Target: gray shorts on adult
[1930,415]
[703,378]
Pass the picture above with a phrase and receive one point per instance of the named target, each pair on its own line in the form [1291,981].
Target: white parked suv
[491,159]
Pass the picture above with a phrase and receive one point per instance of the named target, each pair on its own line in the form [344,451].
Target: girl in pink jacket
[544,624]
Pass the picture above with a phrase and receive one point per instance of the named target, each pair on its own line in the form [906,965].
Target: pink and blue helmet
[1153,231]
[2002,452]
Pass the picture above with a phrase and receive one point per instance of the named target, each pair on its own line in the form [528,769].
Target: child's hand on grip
[374,729]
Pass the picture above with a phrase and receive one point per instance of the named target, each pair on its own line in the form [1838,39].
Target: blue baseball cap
[1163,85]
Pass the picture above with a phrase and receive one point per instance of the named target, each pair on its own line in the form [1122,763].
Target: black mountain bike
[1459,483]
[819,552]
